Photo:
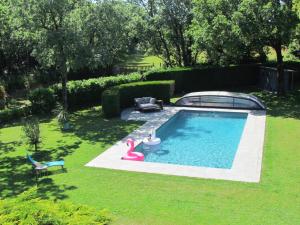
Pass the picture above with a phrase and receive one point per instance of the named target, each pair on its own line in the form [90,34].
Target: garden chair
[39,168]
[148,104]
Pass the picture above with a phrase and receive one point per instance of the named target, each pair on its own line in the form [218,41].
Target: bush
[122,96]
[88,92]
[27,208]
[31,129]
[214,78]
[111,102]
[158,89]
[2,97]
[42,100]
[9,115]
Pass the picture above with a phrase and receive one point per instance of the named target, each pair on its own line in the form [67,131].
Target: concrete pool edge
[246,165]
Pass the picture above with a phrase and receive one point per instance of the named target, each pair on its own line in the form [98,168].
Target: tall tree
[15,44]
[58,38]
[214,32]
[166,31]
[110,28]
[270,22]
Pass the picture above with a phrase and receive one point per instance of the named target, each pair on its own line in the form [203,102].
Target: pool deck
[246,166]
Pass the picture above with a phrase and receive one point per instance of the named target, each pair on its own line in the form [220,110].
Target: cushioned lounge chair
[148,104]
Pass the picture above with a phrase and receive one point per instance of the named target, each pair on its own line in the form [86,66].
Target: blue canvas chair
[39,168]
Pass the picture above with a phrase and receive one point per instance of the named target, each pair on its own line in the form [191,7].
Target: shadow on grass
[17,176]
[6,147]
[287,107]
[95,129]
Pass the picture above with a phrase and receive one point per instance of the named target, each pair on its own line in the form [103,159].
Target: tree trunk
[64,80]
[280,71]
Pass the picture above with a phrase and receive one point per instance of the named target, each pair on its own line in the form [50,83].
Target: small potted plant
[63,120]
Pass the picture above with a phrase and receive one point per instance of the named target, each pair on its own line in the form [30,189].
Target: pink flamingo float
[131,155]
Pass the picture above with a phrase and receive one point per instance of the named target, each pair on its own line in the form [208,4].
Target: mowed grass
[140,198]
[140,60]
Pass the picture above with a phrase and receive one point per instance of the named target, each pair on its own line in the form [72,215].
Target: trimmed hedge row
[122,96]
[88,92]
[197,79]
[111,106]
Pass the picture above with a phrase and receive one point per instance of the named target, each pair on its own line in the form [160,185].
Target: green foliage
[31,129]
[214,32]
[194,79]
[165,30]
[2,97]
[111,102]
[42,100]
[9,115]
[122,96]
[273,22]
[88,92]
[27,208]
[162,90]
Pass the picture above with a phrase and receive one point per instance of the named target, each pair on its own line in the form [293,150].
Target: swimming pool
[198,138]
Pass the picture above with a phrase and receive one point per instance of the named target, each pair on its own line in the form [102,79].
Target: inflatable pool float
[151,141]
[131,155]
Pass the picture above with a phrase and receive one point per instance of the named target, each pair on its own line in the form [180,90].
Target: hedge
[27,208]
[111,106]
[122,96]
[88,92]
[216,78]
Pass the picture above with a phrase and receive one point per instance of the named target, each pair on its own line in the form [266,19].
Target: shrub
[88,92]
[42,100]
[111,102]
[9,115]
[31,129]
[213,78]
[122,96]
[27,208]
[158,89]
[2,97]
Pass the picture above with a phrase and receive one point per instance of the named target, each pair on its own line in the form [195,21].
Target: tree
[167,23]
[15,44]
[213,32]
[110,30]
[57,33]
[269,22]
[31,129]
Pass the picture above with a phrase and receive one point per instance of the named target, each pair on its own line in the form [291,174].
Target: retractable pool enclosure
[221,99]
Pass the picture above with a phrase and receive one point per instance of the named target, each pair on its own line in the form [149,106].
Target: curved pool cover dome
[221,99]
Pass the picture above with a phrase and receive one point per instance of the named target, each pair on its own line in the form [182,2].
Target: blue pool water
[196,138]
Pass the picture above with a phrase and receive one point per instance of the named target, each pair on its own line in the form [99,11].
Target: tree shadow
[17,176]
[284,106]
[47,188]
[7,147]
[95,129]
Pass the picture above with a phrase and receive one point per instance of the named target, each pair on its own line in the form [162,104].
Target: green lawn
[140,60]
[140,198]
